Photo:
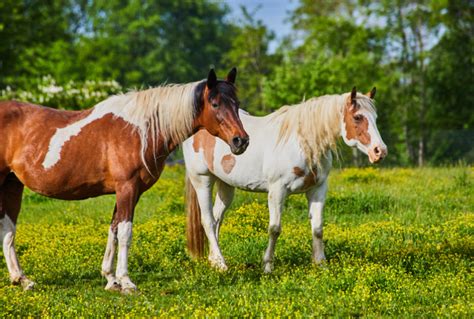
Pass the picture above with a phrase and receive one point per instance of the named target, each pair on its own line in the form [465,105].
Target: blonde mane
[317,123]
[167,110]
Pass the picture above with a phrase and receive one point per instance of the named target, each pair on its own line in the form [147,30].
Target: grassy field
[399,243]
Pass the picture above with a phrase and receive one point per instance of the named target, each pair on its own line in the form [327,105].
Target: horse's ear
[353,96]
[211,79]
[372,92]
[232,75]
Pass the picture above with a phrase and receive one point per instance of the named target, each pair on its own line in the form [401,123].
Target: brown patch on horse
[206,142]
[298,171]
[357,125]
[309,178]
[228,163]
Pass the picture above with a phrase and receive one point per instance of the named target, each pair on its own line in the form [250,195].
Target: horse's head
[358,126]
[218,107]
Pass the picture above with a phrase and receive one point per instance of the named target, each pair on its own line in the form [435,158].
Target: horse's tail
[194,231]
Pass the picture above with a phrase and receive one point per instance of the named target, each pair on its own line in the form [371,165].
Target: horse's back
[12,115]
[22,122]
[267,160]
[25,133]
[253,170]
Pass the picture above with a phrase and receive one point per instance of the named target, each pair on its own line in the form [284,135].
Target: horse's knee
[318,233]
[274,230]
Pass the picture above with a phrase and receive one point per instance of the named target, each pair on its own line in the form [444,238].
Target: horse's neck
[317,126]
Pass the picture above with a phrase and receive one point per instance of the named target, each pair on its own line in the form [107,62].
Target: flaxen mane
[317,123]
[168,110]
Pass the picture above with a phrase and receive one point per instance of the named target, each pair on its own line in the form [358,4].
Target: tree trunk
[355,157]
[421,74]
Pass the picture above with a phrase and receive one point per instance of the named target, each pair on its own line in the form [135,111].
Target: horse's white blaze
[8,230]
[375,138]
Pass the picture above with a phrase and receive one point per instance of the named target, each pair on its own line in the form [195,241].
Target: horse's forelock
[366,103]
[227,92]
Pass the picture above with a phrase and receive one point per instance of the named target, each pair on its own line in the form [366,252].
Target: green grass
[399,243]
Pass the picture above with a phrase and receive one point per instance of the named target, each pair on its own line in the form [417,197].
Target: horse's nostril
[377,150]
[237,141]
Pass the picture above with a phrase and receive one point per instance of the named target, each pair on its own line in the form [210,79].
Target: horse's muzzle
[377,153]
[239,144]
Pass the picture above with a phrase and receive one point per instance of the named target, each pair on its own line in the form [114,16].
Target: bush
[72,95]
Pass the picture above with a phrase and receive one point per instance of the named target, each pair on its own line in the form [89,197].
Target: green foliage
[423,116]
[416,52]
[399,243]
[154,41]
[249,52]
[450,73]
[133,42]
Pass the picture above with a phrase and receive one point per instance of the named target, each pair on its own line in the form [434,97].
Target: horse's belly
[245,182]
[70,186]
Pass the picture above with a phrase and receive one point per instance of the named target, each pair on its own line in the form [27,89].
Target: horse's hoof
[320,261]
[129,291]
[218,264]
[27,284]
[268,268]
[222,267]
[113,286]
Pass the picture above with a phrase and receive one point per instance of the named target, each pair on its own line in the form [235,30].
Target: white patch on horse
[64,134]
[7,233]
[124,236]
[168,109]
[108,262]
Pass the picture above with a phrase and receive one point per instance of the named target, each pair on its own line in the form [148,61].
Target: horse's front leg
[316,198]
[127,197]
[276,198]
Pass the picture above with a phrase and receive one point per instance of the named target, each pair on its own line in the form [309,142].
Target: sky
[273,13]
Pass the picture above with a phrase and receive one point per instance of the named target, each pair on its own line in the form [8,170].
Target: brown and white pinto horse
[289,152]
[119,146]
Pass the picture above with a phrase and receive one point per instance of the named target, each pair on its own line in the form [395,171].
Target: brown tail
[194,231]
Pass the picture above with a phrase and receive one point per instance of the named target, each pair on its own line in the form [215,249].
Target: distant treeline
[419,55]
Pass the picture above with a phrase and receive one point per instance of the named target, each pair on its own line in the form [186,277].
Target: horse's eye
[215,105]
[358,118]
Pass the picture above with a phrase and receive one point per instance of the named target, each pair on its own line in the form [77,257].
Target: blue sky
[273,13]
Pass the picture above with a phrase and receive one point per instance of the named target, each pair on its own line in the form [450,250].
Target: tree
[135,42]
[249,52]
[450,81]
[151,42]
[415,51]
[32,33]
[336,54]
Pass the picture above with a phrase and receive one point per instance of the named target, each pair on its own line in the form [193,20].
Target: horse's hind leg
[109,257]
[10,195]
[203,185]
[224,196]
[316,198]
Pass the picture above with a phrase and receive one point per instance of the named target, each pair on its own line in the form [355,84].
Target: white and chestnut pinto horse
[289,152]
[119,146]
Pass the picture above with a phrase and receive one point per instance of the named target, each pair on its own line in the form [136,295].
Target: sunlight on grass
[399,242]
